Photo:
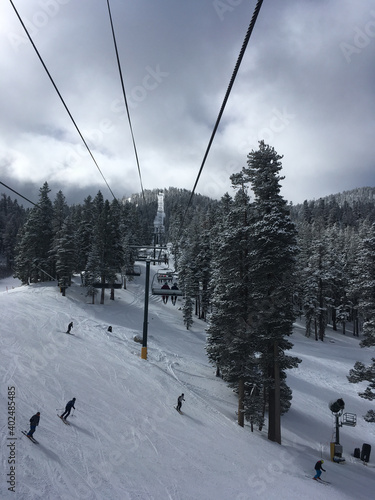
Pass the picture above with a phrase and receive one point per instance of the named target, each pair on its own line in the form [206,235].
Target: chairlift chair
[133,271]
[156,288]
[164,275]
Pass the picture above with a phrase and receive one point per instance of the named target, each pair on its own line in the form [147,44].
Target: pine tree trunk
[103,290]
[241,393]
[334,320]
[321,315]
[355,323]
[274,425]
[264,407]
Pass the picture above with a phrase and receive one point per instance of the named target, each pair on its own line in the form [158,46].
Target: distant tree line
[12,218]
[94,239]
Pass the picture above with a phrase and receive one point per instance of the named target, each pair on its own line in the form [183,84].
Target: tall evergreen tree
[60,214]
[106,256]
[84,222]
[14,217]
[231,344]
[271,273]
[33,261]
[64,251]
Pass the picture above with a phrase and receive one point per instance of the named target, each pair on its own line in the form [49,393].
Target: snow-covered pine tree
[116,256]
[106,253]
[366,271]
[193,261]
[64,251]
[22,254]
[186,283]
[84,221]
[92,271]
[272,262]
[12,217]
[231,345]
[33,261]
[60,215]
[60,212]
[367,305]
[337,302]
[315,290]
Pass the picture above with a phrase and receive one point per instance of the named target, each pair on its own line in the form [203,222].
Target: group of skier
[34,420]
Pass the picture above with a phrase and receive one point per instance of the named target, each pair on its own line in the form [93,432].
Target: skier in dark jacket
[70,326]
[165,297]
[34,422]
[68,408]
[179,402]
[174,297]
[318,469]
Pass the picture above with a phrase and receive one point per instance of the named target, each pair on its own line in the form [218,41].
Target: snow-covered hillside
[126,441]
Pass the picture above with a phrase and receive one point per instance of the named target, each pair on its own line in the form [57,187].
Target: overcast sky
[306,86]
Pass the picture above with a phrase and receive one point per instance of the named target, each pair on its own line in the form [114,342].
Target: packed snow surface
[126,441]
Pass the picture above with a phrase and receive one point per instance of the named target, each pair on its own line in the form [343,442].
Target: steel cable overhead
[61,98]
[125,99]
[19,194]
[235,71]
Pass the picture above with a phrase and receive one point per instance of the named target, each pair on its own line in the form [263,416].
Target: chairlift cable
[125,100]
[61,98]
[234,74]
[35,204]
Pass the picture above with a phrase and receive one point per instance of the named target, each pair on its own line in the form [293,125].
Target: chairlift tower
[341,418]
[159,228]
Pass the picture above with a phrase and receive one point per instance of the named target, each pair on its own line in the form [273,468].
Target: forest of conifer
[248,265]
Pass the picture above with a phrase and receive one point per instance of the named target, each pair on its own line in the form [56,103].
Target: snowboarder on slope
[34,421]
[70,326]
[179,402]
[68,408]
[318,469]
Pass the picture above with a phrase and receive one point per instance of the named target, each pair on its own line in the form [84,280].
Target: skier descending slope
[68,408]
[179,402]
[34,422]
[318,469]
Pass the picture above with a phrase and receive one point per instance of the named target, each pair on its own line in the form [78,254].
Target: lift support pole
[145,317]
